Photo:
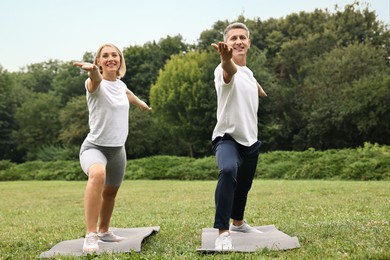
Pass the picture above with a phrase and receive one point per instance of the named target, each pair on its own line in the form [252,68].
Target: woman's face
[109,59]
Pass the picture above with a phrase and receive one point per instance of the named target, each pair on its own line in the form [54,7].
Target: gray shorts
[114,158]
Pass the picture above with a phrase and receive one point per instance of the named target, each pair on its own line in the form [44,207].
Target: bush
[199,169]
[5,164]
[155,167]
[39,170]
[57,153]
[370,162]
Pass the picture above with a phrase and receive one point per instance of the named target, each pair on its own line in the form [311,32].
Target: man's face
[238,40]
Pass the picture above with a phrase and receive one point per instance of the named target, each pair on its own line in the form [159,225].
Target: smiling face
[109,59]
[237,38]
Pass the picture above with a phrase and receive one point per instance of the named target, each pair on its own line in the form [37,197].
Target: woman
[102,154]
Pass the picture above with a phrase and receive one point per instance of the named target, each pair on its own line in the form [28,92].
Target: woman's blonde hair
[122,68]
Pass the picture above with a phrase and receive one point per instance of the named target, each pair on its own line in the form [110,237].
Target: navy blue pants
[237,167]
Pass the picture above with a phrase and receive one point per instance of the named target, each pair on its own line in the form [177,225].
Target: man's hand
[224,50]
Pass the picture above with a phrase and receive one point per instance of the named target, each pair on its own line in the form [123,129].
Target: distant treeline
[327,77]
[370,162]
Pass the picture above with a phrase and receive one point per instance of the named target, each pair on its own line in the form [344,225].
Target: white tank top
[238,103]
[108,109]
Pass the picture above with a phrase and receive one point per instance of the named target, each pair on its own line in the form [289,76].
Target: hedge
[370,162]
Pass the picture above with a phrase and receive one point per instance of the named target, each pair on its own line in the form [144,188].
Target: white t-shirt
[108,109]
[238,103]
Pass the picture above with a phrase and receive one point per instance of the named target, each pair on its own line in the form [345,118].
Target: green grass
[332,219]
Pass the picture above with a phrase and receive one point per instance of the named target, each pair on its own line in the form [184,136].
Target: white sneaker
[244,228]
[224,242]
[109,236]
[91,243]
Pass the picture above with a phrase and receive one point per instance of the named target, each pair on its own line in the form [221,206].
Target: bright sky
[40,30]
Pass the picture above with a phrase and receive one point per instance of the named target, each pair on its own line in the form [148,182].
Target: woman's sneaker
[91,243]
[109,236]
[244,228]
[224,242]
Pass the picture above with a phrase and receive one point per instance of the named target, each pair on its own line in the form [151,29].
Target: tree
[353,25]
[294,55]
[69,82]
[38,123]
[74,121]
[38,77]
[366,110]
[336,80]
[213,35]
[143,134]
[143,63]
[184,98]
[8,105]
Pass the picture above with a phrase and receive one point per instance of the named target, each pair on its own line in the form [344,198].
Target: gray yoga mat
[271,238]
[134,236]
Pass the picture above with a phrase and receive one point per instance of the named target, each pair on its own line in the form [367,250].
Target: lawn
[332,219]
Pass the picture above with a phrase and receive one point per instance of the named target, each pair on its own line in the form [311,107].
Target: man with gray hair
[234,137]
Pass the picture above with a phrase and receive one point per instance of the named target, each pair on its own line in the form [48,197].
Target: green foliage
[155,167]
[74,121]
[39,77]
[199,169]
[38,123]
[58,153]
[142,134]
[365,108]
[353,25]
[6,164]
[8,104]
[172,167]
[345,88]
[69,82]
[39,170]
[213,35]
[184,98]
[370,162]
[143,63]
[325,73]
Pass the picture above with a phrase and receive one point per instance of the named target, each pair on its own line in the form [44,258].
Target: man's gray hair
[234,26]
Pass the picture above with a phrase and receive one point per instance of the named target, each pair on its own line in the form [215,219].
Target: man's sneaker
[109,236]
[224,242]
[244,228]
[91,243]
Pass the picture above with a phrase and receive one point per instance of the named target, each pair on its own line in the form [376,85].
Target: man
[235,135]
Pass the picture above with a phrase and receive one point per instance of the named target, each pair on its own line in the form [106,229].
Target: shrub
[199,169]
[370,162]
[57,153]
[154,168]
[5,164]
[39,170]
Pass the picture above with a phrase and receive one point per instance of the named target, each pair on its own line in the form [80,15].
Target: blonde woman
[102,154]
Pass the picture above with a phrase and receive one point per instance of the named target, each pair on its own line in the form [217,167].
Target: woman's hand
[93,73]
[86,66]
[143,106]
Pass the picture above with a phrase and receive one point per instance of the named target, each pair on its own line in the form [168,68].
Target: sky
[40,30]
